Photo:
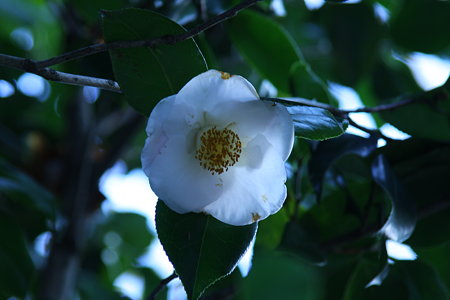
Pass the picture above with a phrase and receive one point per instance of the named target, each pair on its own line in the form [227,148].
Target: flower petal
[167,160]
[280,131]
[251,118]
[156,137]
[179,180]
[252,194]
[207,89]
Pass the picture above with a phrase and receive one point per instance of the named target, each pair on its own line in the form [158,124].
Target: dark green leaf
[354,33]
[275,275]
[201,248]
[422,25]
[328,151]
[296,240]
[146,75]
[316,123]
[127,237]
[306,84]
[427,118]
[402,219]
[372,269]
[438,257]
[433,229]
[16,267]
[270,231]
[22,189]
[266,46]
[422,281]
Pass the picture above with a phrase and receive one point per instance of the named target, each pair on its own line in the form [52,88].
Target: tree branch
[41,67]
[168,39]
[29,65]
[161,285]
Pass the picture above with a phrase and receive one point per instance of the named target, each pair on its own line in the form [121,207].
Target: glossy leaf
[146,75]
[201,248]
[316,123]
[266,46]
[402,219]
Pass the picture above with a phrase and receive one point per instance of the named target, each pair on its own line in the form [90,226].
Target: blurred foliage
[346,195]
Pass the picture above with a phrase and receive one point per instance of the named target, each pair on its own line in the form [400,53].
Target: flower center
[219,150]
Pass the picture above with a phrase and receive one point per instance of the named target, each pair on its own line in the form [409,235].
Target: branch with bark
[42,69]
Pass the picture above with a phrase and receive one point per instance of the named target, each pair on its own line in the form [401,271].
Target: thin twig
[168,39]
[375,132]
[29,65]
[306,102]
[383,107]
[41,67]
[161,285]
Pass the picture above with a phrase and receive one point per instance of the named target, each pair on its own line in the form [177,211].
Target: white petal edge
[207,89]
[280,132]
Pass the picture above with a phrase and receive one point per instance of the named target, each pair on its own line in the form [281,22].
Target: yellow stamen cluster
[219,150]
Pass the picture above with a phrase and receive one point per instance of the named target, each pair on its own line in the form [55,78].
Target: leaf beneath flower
[201,248]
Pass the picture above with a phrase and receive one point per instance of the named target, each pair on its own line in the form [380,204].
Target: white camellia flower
[216,148]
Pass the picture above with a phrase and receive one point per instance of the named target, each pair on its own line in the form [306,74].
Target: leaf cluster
[346,194]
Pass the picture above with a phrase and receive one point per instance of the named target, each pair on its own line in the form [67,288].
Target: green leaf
[306,84]
[316,123]
[16,267]
[370,266]
[276,275]
[438,257]
[201,248]
[402,219]
[422,25]
[266,46]
[427,119]
[127,237]
[422,281]
[297,240]
[328,151]
[354,33]
[431,230]
[19,187]
[147,75]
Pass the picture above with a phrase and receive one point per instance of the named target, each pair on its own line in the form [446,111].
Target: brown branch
[161,285]
[168,39]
